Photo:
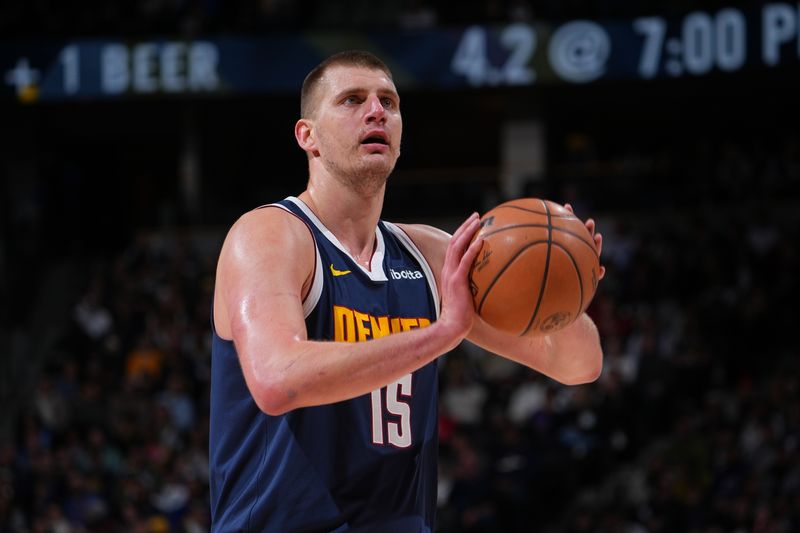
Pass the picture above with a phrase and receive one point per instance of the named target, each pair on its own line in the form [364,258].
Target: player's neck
[351,217]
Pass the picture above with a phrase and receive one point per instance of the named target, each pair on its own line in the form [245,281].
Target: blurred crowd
[115,434]
[693,426]
[46,18]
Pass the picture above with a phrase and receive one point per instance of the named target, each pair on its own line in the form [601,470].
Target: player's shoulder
[424,233]
[265,230]
[430,240]
[271,220]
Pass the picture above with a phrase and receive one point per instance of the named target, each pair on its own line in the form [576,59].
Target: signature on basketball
[488,221]
[555,321]
[473,288]
[482,260]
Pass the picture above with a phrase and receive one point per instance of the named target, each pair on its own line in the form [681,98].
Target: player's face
[358,125]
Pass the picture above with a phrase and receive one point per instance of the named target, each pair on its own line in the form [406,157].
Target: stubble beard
[364,179]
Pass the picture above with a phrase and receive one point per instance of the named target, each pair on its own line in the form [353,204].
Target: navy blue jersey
[365,464]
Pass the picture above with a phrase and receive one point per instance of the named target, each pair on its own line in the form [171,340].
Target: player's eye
[352,99]
[388,103]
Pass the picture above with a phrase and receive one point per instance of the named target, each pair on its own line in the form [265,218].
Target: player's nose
[375,110]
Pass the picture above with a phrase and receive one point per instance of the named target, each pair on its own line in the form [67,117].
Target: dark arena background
[132,135]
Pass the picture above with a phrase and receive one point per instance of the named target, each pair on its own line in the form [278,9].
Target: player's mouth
[375,141]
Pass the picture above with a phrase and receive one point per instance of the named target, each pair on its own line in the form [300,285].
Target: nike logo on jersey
[336,272]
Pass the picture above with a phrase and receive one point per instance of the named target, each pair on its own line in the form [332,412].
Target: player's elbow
[273,396]
[268,379]
[588,372]
[582,379]
[271,388]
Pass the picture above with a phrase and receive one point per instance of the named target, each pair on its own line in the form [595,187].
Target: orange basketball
[537,270]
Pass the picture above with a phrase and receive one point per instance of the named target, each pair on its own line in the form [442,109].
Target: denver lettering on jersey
[350,325]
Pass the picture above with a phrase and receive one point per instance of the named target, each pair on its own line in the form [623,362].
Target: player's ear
[306,139]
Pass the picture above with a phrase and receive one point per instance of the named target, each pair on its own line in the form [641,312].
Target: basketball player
[327,325]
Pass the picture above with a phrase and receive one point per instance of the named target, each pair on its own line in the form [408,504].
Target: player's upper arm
[265,268]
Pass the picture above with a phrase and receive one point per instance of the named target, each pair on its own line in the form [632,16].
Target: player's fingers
[590,225]
[568,207]
[459,240]
[463,227]
[473,220]
[598,241]
[464,233]
[470,254]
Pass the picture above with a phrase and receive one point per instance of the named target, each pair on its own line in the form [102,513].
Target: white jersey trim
[312,298]
[406,241]
[376,272]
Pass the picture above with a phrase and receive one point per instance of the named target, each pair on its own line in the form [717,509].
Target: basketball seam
[534,211]
[500,273]
[577,271]
[546,270]
[562,230]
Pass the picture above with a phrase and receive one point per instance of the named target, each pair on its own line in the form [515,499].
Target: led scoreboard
[699,43]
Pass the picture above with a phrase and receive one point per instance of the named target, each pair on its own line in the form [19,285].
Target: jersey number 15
[393,415]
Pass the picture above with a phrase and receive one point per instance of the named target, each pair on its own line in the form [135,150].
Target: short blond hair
[348,58]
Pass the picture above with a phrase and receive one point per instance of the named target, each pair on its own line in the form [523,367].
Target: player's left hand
[598,239]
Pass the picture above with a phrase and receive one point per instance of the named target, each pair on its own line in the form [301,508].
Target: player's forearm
[302,373]
[576,356]
[571,356]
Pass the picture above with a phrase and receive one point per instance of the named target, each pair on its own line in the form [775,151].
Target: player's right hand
[458,311]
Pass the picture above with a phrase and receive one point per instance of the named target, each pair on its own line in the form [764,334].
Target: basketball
[537,270]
